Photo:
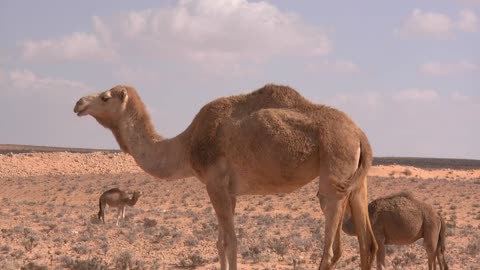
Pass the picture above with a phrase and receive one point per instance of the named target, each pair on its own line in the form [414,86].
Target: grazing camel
[116,198]
[400,219]
[269,141]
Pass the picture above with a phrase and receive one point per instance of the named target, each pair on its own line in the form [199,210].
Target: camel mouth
[80,112]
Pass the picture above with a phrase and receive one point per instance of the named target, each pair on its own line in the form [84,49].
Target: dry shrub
[80,248]
[408,258]
[407,172]
[252,253]
[5,249]
[88,264]
[125,260]
[148,223]
[95,220]
[473,249]
[31,239]
[192,260]
[279,246]
[7,263]
[34,266]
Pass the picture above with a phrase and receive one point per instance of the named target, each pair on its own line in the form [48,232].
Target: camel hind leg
[337,243]
[441,246]
[333,206]
[119,214]
[442,264]
[380,238]
[101,212]
[359,207]
[431,231]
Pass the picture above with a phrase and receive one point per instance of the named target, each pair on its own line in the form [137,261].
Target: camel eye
[105,98]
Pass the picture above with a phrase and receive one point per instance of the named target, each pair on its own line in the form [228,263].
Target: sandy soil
[50,202]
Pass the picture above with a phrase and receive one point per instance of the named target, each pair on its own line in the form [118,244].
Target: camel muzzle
[80,107]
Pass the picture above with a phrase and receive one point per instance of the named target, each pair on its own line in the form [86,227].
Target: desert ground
[49,205]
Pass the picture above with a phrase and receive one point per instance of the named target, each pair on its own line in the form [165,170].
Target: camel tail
[441,245]
[358,202]
[442,236]
[365,160]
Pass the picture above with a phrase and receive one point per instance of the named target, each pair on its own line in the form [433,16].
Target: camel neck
[163,158]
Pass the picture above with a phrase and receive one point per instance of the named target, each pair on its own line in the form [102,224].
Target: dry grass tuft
[192,261]
[407,172]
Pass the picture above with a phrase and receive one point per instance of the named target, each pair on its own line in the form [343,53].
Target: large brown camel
[266,142]
[116,198]
[400,219]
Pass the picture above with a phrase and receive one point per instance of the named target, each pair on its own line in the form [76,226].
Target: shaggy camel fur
[400,219]
[116,198]
[269,141]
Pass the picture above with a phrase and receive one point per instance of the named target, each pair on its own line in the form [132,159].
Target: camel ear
[123,95]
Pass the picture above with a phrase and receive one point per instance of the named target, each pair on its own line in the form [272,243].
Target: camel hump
[278,95]
[208,125]
[395,198]
[274,90]
[269,96]
[402,194]
[113,190]
[402,203]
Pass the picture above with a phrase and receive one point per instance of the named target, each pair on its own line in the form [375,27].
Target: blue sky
[406,71]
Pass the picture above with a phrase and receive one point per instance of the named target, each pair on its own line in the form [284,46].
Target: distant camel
[116,198]
[266,142]
[400,219]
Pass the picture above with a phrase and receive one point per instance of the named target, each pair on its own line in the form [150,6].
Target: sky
[407,72]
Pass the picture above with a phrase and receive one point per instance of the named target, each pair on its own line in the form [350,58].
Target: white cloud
[436,25]
[102,32]
[415,94]
[27,81]
[427,24]
[207,32]
[343,66]
[379,100]
[42,111]
[366,101]
[76,46]
[460,97]
[221,31]
[417,128]
[442,69]
[468,21]
[336,66]
[3,76]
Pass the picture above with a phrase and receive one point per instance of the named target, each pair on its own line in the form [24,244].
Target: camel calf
[116,198]
[400,219]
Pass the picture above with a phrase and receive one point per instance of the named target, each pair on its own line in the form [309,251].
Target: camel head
[107,107]
[137,194]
